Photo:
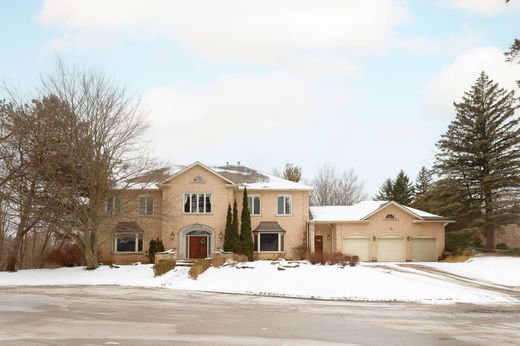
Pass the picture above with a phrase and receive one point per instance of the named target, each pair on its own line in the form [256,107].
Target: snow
[276,183]
[365,282]
[357,212]
[496,270]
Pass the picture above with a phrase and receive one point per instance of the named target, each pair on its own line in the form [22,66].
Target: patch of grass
[199,267]
[456,259]
[163,267]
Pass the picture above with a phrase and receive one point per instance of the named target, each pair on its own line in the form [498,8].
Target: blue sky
[366,85]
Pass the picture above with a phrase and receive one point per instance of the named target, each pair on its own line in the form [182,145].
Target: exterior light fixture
[408,238]
[328,236]
[172,235]
[220,235]
[374,238]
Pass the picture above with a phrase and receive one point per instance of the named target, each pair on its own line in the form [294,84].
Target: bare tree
[331,188]
[97,136]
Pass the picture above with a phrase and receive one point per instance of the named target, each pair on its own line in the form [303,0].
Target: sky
[367,85]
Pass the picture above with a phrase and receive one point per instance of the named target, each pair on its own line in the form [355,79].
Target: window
[128,242]
[197,203]
[284,205]
[113,205]
[146,205]
[390,217]
[253,203]
[269,242]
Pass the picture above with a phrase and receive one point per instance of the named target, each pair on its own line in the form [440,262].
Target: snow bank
[497,270]
[363,283]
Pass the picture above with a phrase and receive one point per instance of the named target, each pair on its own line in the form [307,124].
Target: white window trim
[111,200]
[292,207]
[197,212]
[280,236]
[145,205]
[252,202]
[136,243]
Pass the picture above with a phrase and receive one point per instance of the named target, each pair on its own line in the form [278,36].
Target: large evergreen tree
[399,190]
[385,191]
[292,172]
[480,152]
[246,235]
[423,182]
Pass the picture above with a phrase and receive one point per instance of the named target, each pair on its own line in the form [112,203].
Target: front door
[318,244]
[198,246]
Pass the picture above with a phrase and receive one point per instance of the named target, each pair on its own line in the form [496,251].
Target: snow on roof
[359,211]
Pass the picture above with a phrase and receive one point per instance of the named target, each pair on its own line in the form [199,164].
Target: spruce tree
[385,191]
[480,152]
[423,182]
[292,172]
[402,189]
[246,235]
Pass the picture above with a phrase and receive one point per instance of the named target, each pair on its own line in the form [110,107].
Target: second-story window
[197,203]
[114,205]
[284,205]
[146,205]
[253,202]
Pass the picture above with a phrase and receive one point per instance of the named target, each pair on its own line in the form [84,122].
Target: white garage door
[357,246]
[424,250]
[390,249]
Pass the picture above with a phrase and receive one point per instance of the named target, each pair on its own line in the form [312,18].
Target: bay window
[269,241]
[127,241]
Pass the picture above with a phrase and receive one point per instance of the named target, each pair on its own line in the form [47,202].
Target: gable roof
[363,210]
[243,177]
[186,168]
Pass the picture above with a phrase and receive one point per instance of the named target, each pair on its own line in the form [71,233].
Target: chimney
[238,163]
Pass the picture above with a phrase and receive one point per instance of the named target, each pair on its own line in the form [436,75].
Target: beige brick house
[186,208]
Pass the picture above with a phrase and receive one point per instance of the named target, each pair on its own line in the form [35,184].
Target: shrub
[239,257]
[154,247]
[301,252]
[198,268]
[218,260]
[163,267]
[339,258]
[501,246]
[67,256]
[354,260]
[515,251]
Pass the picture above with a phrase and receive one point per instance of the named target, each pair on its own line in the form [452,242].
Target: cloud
[486,7]
[452,81]
[265,32]
[451,44]
[237,104]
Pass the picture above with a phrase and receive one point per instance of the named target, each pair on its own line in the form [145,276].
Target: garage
[390,249]
[424,249]
[359,246]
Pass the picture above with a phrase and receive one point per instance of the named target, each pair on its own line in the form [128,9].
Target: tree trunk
[90,250]
[490,236]
[14,250]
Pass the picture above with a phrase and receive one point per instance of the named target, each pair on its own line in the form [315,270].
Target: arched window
[390,217]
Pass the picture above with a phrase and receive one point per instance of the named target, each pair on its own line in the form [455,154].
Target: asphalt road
[106,315]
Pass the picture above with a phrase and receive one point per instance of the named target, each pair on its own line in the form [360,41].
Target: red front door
[198,246]
[318,244]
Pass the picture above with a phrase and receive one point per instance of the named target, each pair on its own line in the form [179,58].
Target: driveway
[110,315]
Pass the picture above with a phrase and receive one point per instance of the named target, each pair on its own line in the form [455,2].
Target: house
[378,231]
[186,208]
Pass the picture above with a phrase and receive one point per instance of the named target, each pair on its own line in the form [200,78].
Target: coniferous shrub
[199,267]
[246,235]
[156,245]
[163,267]
[231,238]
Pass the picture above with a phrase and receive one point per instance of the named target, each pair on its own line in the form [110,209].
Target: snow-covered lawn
[496,270]
[365,282]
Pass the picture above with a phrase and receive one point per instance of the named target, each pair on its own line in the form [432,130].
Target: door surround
[196,229]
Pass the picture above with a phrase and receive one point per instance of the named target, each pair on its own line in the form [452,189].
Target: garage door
[390,249]
[357,246]
[424,250]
